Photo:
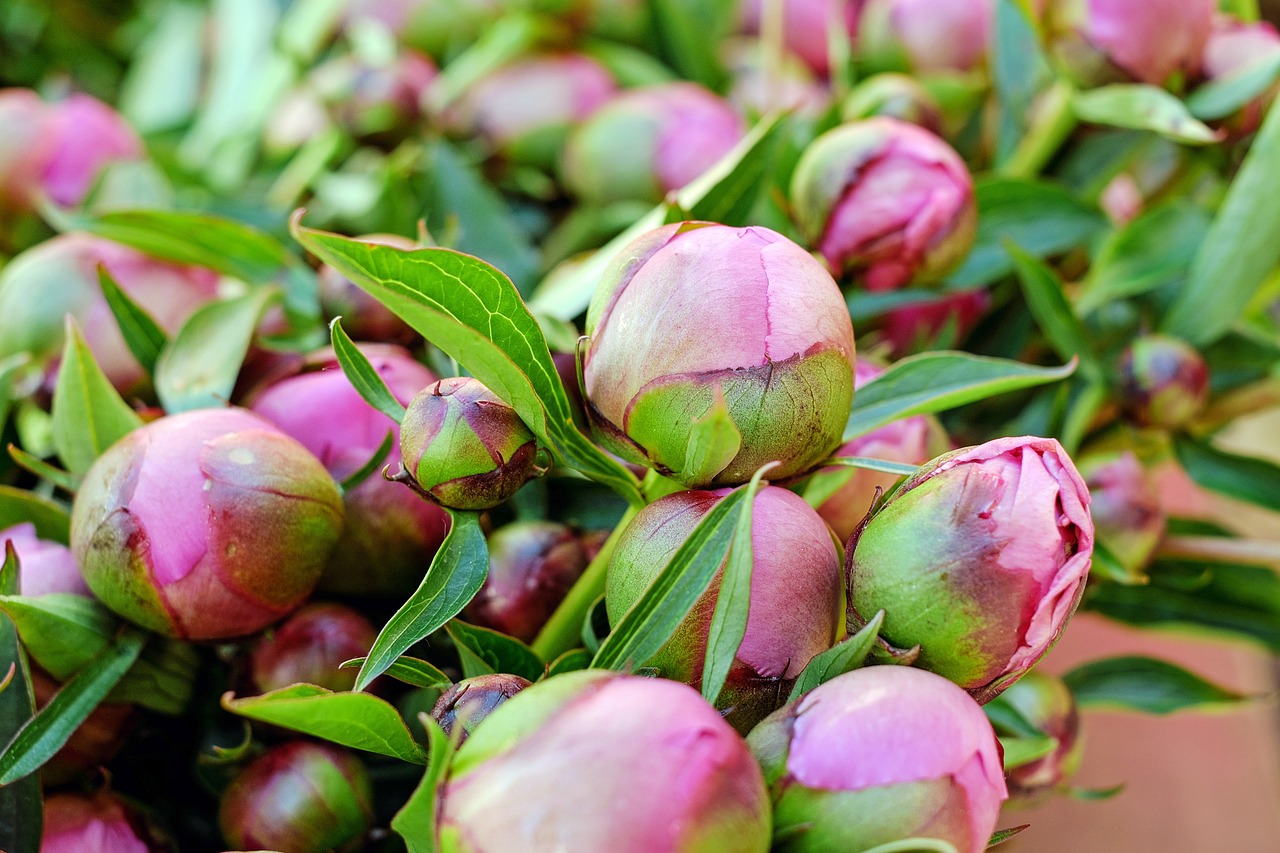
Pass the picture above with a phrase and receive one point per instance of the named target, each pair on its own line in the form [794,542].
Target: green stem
[1053,120]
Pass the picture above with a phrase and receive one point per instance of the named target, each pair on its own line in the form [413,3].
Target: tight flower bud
[647,142]
[1233,48]
[464,447]
[896,96]
[604,761]
[25,139]
[1164,381]
[808,26]
[1046,703]
[915,327]
[532,565]
[692,317]
[878,755]
[794,611]
[887,201]
[1126,507]
[301,797]
[466,704]
[80,823]
[924,35]
[979,558]
[363,317]
[43,566]
[309,646]
[205,525]
[88,136]
[757,88]
[1102,40]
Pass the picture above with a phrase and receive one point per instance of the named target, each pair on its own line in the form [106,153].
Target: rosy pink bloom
[807,27]
[980,558]
[43,566]
[1146,40]
[925,35]
[309,646]
[911,328]
[88,136]
[694,311]
[79,823]
[878,755]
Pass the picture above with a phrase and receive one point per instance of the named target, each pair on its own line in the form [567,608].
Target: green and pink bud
[308,648]
[532,566]
[363,317]
[980,559]
[795,602]
[886,201]
[693,319]
[26,137]
[897,96]
[596,760]
[925,36]
[808,27]
[1235,48]
[1164,382]
[87,823]
[879,755]
[464,447]
[205,525]
[44,567]
[757,88]
[1145,40]
[1125,506]
[468,703]
[1046,702]
[301,797]
[88,137]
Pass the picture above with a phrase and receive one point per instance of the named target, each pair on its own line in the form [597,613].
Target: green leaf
[1021,751]
[1138,106]
[714,441]
[1220,98]
[733,601]
[357,720]
[141,334]
[410,670]
[1145,684]
[845,656]
[1094,794]
[688,35]
[198,368]
[10,367]
[48,731]
[936,381]
[1240,250]
[1048,304]
[484,651]
[375,461]
[55,475]
[456,574]
[62,632]
[20,802]
[1242,477]
[416,820]
[914,845]
[51,519]
[1017,68]
[1003,835]
[362,375]
[1007,719]
[656,615]
[571,661]
[472,312]
[88,414]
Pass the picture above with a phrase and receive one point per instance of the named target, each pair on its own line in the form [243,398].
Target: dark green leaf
[141,334]
[410,670]
[1242,477]
[88,414]
[362,375]
[375,461]
[51,519]
[1048,304]
[62,479]
[1017,69]
[1220,98]
[571,661]
[1141,107]
[20,802]
[1153,250]
[357,720]
[484,651]
[1145,684]
[456,574]
[845,656]
[1003,835]
[416,820]
[689,33]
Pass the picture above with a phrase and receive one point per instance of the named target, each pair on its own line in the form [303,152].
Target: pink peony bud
[808,27]
[1144,40]
[43,567]
[757,89]
[1232,49]
[980,558]
[363,317]
[205,525]
[1164,381]
[595,760]
[309,646]
[60,276]
[96,823]
[695,313]
[922,36]
[87,136]
[795,594]
[916,327]
[26,139]
[1126,507]
[879,755]
[1046,702]
[647,142]
[391,534]
[887,201]
[532,565]
[468,703]
[299,797]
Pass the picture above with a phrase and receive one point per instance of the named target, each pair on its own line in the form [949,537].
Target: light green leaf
[362,375]
[1141,107]
[62,479]
[88,414]
[843,657]
[416,820]
[51,519]
[1220,98]
[484,651]
[410,670]
[1021,751]
[1145,684]
[61,631]
[714,441]
[1049,305]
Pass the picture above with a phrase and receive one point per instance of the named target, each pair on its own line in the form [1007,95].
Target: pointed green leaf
[1245,478]
[1003,835]
[88,414]
[1094,794]
[62,632]
[1021,751]
[410,670]
[1220,98]
[1141,107]
[20,802]
[416,820]
[51,519]
[484,651]
[357,720]
[1145,684]
[1049,305]
[64,480]
[845,656]
[145,339]
[375,462]
[714,441]
[362,375]
[456,574]
[1151,251]
[688,35]
[1018,69]
[571,661]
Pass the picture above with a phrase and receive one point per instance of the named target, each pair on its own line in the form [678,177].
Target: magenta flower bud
[1126,507]
[1232,48]
[1046,702]
[1164,381]
[595,760]
[390,534]
[309,646]
[808,26]
[205,525]
[468,703]
[60,276]
[923,36]
[89,823]
[885,200]
[532,565]
[43,566]
[693,316]
[647,142]
[758,89]
[1144,40]
[88,136]
[363,317]
[795,594]
[912,328]
[525,110]
[302,797]
[896,96]
[980,558]
[26,137]
[911,440]
[94,742]
[878,755]
[465,447]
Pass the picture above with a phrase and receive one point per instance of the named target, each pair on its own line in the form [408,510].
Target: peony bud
[468,703]
[647,142]
[88,136]
[532,565]
[300,797]
[794,610]
[308,648]
[94,742]
[596,760]
[1164,382]
[60,276]
[1102,40]
[896,96]
[464,446]
[1125,506]
[886,200]
[26,137]
[96,823]
[1233,48]
[758,89]
[808,27]
[363,317]
[979,558]
[915,327]
[44,567]
[391,534]
[692,316]
[205,525]
[1046,702]
[923,36]
[879,755]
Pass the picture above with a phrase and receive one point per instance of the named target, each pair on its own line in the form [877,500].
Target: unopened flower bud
[1164,381]
[922,36]
[88,823]
[44,567]
[26,138]
[1126,507]
[1145,40]
[88,136]
[532,565]
[896,96]
[915,327]
[1045,701]
[466,704]
[758,88]
[808,27]
[309,646]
